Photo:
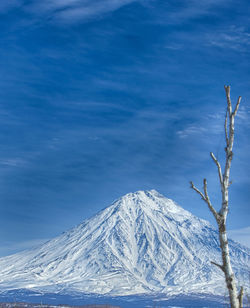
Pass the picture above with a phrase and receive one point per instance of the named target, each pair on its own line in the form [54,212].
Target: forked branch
[205,197]
[219,266]
[198,191]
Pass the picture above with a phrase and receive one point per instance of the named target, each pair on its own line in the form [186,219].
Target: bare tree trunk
[221,216]
[240,297]
[226,267]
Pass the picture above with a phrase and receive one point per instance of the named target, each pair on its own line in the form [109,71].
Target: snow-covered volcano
[142,243]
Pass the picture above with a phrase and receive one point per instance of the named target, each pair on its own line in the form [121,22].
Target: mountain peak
[141,194]
[151,202]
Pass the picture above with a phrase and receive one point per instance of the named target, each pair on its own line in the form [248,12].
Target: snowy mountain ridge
[142,243]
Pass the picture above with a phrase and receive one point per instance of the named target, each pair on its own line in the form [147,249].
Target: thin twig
[218,166]
[218,265]
[205,197]
[208,200]
[237,106]
[198,191]
[240,297]
[229,104]
[225,127]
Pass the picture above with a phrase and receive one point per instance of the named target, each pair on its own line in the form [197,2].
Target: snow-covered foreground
[194,301]
[142,243]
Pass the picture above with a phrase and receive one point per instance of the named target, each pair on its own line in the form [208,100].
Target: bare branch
[218,166]
[205,189]
[237,106]
[240,297]
[229,104]
[198,191]
[205,197]
[225,127]
[218,265]
[208,200]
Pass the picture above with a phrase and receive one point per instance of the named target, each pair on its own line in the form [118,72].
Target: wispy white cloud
[188,10]
[244,114]
[213,123]
[237,38]
[191,130]
[58,4]
[241,235]
[70,11]
[6,5]
[12,162]
[174,46]
[65,11]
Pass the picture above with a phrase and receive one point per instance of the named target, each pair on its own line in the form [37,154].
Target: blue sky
[101,98]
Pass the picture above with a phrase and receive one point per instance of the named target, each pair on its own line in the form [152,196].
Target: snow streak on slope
[142,243]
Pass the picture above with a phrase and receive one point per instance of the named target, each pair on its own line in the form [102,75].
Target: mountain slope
[142,243]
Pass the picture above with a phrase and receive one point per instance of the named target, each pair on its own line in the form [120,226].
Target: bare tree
[221,215]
